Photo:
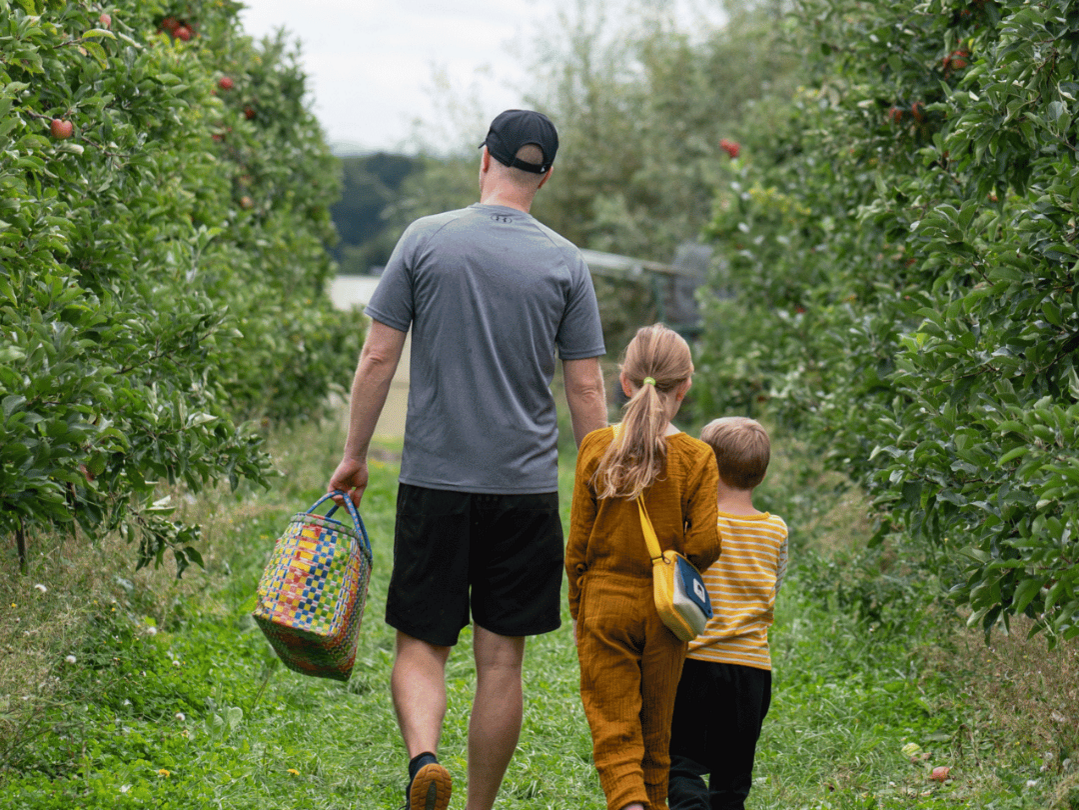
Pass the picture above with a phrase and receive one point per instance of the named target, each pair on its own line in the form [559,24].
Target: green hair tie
[649,381]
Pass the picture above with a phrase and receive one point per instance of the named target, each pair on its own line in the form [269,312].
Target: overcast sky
[372,66]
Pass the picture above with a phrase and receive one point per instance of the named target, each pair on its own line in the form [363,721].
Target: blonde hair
[742,450]
[638,454]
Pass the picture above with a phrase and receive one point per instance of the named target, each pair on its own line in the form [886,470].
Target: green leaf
[1014,453]
[11,403]
[98,32]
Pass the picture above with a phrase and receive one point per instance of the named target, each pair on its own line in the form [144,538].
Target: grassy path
[165,694]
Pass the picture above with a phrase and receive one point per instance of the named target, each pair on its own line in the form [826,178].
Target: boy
[726,684]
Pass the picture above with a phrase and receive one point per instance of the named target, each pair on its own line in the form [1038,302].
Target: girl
[630,661]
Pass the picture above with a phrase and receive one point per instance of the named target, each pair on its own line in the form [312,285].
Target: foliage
[905,225]
[642,109]
[163,263]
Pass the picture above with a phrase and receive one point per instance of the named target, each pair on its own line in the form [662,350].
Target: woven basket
[311,596]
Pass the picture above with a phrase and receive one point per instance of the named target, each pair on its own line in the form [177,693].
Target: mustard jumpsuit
[630,662]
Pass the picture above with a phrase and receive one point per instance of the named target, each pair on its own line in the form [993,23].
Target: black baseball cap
[513,129]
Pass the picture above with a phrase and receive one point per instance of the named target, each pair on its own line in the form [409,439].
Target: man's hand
[351,477]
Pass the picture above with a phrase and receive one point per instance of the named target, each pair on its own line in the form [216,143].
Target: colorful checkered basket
[311,596]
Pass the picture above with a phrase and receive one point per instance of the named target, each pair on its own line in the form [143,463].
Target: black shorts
[500,555]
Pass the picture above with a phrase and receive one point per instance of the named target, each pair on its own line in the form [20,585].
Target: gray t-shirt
[489,293]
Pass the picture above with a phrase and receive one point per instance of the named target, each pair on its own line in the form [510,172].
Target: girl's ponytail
[657,361]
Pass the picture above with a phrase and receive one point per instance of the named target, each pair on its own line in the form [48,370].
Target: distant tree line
[371,185]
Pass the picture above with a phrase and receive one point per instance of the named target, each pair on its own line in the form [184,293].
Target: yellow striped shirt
[743,584]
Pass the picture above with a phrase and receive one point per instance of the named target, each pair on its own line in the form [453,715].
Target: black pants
[718,715]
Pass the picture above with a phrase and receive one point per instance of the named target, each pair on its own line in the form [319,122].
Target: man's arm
[370,385]
[585,396]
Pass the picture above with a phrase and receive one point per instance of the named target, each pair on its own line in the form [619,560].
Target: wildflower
[41,588]
[1032,783]
[293,771]
[151,631]
[163,772]
[70,659]
[180,716]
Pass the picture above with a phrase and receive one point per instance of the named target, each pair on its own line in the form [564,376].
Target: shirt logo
[501,218]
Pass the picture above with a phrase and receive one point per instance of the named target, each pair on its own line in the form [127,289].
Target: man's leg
[418,685]
[497,710]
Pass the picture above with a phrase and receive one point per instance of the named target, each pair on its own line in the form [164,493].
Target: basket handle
[357,521]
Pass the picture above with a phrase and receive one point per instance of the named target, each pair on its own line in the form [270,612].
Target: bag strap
[650,538]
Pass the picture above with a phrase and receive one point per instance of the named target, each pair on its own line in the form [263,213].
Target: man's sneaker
[430,788]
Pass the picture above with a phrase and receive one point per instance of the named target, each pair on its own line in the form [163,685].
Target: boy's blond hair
[742,450]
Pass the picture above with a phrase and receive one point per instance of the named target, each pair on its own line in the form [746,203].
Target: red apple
[225,83]
[940,773]
[61,129]
[249,112]
[956,60]
[183,32]
[106,20]
[170,24]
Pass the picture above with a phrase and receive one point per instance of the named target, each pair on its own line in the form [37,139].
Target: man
[490,294]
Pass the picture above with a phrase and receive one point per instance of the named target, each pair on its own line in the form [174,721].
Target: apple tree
[905,227]
[164,226]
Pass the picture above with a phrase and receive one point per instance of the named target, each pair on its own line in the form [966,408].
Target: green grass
[175,700]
